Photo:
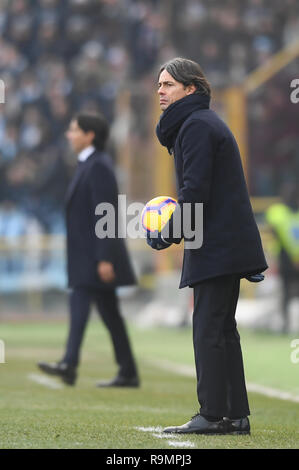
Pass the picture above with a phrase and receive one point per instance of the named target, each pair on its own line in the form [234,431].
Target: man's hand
[155,241]
[106,271]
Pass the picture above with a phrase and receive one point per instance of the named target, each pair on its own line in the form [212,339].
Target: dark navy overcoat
[93,183]
[209,170]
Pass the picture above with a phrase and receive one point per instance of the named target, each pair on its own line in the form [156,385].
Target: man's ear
[92,135]
[190,89]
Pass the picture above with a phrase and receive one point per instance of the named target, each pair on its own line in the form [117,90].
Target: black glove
[173,226]
[156,241]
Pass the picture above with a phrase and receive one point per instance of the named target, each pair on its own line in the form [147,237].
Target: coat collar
[85,153]
[174,116]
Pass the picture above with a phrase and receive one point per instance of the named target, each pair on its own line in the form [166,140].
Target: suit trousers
[106,301]
[221,388]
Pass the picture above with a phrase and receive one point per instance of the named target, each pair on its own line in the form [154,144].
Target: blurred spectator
[8,143]
[33,130]
[13,224]
[283,219]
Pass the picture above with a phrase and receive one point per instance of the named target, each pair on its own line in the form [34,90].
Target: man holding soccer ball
[209,171]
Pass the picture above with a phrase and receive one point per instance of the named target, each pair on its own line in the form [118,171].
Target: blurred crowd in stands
[58,57]
[273,135]
[232,38]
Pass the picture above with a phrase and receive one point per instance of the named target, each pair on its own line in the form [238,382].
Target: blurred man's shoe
[198,425]
[63,370]
[120,381]
[238,426]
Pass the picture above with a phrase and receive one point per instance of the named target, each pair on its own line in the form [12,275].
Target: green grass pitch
[34,416]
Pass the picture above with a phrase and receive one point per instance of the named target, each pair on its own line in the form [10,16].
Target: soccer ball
[157,213]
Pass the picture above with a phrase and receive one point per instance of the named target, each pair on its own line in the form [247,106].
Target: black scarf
[174,116]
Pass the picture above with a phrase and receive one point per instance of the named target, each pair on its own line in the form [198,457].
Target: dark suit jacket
[209,170]
[94,182]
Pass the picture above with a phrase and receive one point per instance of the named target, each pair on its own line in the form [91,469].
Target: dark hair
[97,124]
[187,72]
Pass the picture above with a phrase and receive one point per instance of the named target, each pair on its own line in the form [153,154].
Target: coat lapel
[74,182]
[81,166]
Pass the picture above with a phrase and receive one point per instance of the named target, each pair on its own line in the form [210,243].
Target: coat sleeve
[103,189]
[197,147]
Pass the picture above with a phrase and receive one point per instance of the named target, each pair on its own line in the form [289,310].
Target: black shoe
[199,425]
[66,372]
[237,426]
[120,381]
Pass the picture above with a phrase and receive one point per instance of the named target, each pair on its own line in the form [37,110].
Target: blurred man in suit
[96,266]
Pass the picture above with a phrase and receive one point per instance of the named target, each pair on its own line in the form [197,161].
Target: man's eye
[165,84]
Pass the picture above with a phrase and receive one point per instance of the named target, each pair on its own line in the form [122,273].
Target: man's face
[169,90]
[78,139]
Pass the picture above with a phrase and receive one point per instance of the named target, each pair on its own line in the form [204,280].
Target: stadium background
[61,57]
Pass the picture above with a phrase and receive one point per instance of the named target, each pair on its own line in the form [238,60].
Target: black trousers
[221,388]
[108,308]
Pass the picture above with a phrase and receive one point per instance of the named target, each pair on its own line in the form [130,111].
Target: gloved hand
[156,241]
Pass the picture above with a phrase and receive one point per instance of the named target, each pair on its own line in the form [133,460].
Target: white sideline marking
[46,381]
[181,444]
[160,436]
[189,371]
[150,429]
[272,392]
[157,432]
